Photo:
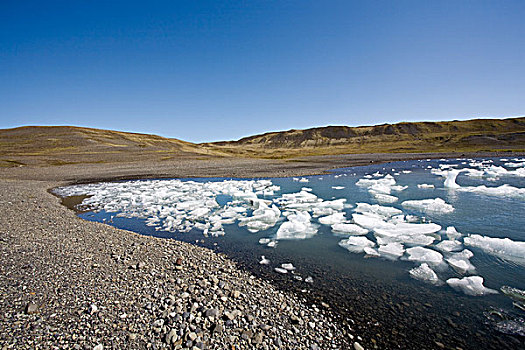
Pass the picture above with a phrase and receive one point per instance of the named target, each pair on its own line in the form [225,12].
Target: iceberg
[425,273]
[504,248]
[288,266]
[449,246]
[472,285]
[460,262]
[391,250]
[500,191]
[298,226]
[424,255]
[349,229]
[425,186]
[264,261]
[356,244]
[335,218]
[435,205]
[452,233]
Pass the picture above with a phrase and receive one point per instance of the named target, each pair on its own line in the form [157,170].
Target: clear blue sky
[220,70]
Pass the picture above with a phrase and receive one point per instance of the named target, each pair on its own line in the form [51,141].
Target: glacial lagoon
[411,254]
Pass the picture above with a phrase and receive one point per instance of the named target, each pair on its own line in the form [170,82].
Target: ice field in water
[459,222]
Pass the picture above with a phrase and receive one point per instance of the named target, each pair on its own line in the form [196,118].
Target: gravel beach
[68,283]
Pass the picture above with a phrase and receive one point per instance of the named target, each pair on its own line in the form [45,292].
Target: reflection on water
[372,293]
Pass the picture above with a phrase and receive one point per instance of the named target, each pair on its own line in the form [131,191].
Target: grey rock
[31,308]
[212,313]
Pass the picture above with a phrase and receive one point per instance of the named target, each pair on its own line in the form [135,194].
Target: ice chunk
[515,165]
[449,245]
[335,218]
[280,270]
[383,185]
[391,250]
[411,240]
[452,233]
[472,285]
[349,229]
[356,244]
[503,190]
[425,186]
[435,205]
[424,273]
[424,255]
[382,211]
[298,226]
[371,251]
[504,248]
[264,240]
[384,198]
[264,261]
[303,179]
[460,261]
[271,244]
[338,187]
[288,266]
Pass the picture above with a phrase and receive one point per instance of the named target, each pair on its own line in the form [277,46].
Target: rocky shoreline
[68,283]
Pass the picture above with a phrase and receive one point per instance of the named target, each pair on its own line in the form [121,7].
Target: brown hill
[454,136]
[55,145]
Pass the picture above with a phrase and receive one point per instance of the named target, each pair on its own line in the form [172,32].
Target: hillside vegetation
[454,136]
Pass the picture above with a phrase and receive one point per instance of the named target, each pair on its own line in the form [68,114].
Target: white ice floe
[288,266]
[264,261]
[371,252]
[349,229]
[298,226]
[384,185]
[382,211]
[472,285]
[452,233]
[425,186]
[504,248]
[500,191]
[391,250]
[424,255]
[425,273]
[280,270]
[515,165]
[460,262]
[356,244]
[433,205]
[338,187]
[335,218]
[384,198]
[262,218]
[449,245]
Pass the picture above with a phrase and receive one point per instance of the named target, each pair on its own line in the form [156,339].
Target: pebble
[358,346]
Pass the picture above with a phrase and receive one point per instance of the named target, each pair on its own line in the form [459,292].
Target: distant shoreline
[219,167]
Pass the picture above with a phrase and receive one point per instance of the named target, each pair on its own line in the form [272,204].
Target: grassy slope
[455,136]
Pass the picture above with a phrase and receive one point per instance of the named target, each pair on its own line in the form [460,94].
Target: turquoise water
[377,296]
